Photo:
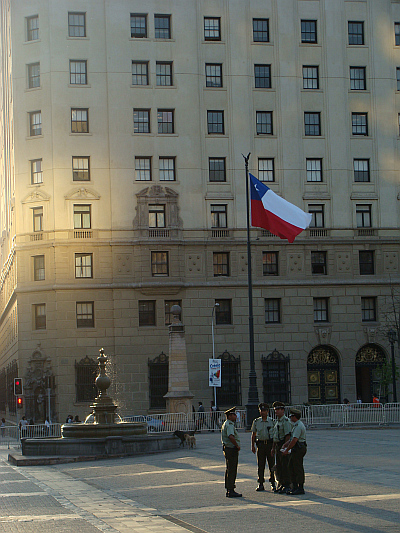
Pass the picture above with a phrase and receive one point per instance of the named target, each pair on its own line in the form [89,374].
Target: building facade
[123,192]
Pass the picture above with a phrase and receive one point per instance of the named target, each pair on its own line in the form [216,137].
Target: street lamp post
[392,339]
[213,345]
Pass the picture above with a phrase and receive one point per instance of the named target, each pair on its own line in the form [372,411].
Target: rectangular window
[166,166]
[359,123]
[272,310]
[79,120]
[320,309]
[156,216]
[39,313]
[368,309]
[366,262]
[261,30]
[356,32]
[262,76]
[82,216]
[78,72]
[147,313]
[159,264]
[33,75]
[398,78]
[38,268]
[312,124]
[80,168]
[309,31]
[165,120]
[85,314]
[270,264]
[361,170]
[168,304]
[212,28]
[314,170]
[162,26]
[143,168]
[318,263]
[36,171]
[215,122]
[363,216]
[219,216]
[310,77]
[223,312]
[221,263]
[266,169]
[35,123]
[357,79]
[317,214]
[264,123]
[32,28]
[77,24]
[213,75]
[138,26]
[397,33]
[37,213]
[84,265]
[216,169]
[140,72]
[164,73]
[141,120]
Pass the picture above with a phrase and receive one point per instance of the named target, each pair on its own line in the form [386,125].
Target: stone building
[123,126]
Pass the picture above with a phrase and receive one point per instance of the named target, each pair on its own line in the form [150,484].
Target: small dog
[190,440]
[182,436]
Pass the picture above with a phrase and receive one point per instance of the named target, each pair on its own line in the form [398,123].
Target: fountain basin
[122,429]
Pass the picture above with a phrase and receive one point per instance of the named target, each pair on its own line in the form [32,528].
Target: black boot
[294,487]
[260,487]
[233,494]
[298,490]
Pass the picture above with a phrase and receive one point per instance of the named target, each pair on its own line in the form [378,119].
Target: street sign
[214,372]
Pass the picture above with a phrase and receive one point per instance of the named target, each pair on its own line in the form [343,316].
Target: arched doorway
[368,360]
[323,375]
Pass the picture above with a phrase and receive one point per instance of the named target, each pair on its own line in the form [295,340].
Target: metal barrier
[12,435]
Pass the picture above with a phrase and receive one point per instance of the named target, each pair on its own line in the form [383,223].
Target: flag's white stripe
[285,210]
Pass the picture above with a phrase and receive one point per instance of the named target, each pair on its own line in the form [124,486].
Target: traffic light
[18,387]
[20,402]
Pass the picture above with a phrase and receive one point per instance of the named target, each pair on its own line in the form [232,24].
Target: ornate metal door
[368,360]
[323,376]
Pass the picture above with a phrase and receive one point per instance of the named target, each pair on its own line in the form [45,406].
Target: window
[359,123]
[320,309]
[276,378]
[230,391]
[84,265]
[168,304]
[138,26]
[156,216]
[398,78]
[141,120]
[213,75]
[309,31]
[39,315]
[37,218]
[32,28]
[262,76]
[215,122]
[368,309]
[216,169]
[314,170]
[163,73]
[312,124]
[357,79]
[212,28]
[166,166]
[78,72]
[143,168]
[363,216]
[223,312]
[85,314]
[361,170]
[366,262]
[140,72]
[397,33]
[266,169]
[79,120]
[36,171]
[158,381]
[318,263]
[261,30]
[80,168]
[82,216]
[219,216]
[85,377]
[147,313]
[77,24]
[159,263]
[162,26]
[165,120]
[310,77]
[317,214]
[33,75]
[270,264]
[272,310]
[38,268]
[221,263]
[264,123]
[356,32]
[35,123]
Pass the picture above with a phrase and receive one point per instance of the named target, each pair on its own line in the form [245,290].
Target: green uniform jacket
[263,428]
[299,431]
[228,428]
[282,427]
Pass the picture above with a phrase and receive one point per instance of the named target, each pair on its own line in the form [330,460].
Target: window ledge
[212,41]
[314,45]
[313,136]
[359,91]
[311,90]
[167,135]
[356,46]
[30,137]
[143,134]
[88,134]
[79,85]
[149,86]
[136,39]
[265,136]
[262,43]
[32,89]
[218,135]
[77,38]
[264,89]
[165,87]
[217,88]
[33,41]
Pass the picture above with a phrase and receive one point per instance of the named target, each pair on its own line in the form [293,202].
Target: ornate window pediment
[35,197]
[82,193]
[161,196]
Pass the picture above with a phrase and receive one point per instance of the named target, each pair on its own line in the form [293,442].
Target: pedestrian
[281,435]
[47,427]
[297,448]
[3,426]
[262,439]
[23,423]
[77,420]
[202,415]
[213,412]
[359,400]
[230,446]
[375,401]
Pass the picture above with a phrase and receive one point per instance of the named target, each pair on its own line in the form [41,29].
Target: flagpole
[252,403]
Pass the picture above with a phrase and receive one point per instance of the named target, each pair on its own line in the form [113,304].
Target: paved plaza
[352,485]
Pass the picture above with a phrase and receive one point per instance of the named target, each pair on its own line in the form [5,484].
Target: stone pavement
[352,485]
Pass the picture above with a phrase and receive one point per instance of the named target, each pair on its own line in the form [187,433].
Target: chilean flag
[273,213]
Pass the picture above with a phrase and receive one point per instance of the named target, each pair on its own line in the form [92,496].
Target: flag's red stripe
[261,218]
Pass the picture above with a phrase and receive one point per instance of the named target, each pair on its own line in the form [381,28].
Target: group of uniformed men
[281,443]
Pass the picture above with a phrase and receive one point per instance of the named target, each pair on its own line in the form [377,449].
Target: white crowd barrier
[10,435]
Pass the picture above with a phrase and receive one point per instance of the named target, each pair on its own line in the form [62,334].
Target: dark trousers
[263,456]
[231,458]
[282,465]
[296,468]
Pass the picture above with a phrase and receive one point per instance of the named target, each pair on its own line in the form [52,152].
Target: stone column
[179,397]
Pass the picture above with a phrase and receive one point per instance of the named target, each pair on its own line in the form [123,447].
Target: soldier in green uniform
[281,435]
[297,448]
[231,446]
[262,437]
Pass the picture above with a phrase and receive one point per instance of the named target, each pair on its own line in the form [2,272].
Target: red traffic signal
[20,402]
[18,387]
